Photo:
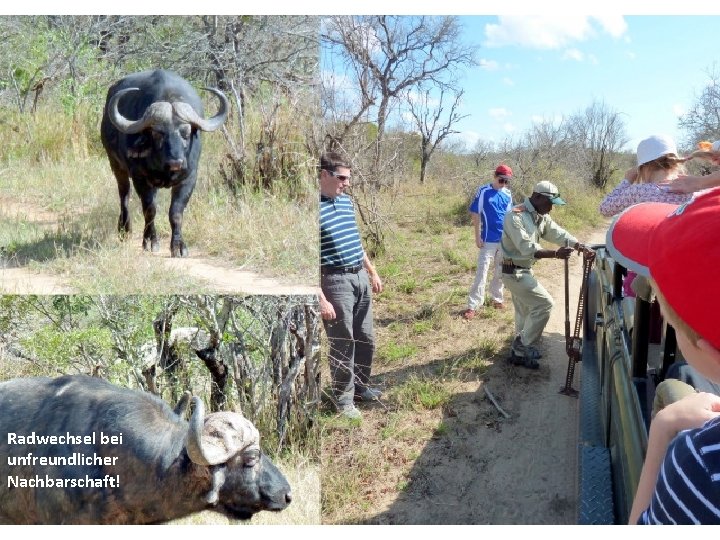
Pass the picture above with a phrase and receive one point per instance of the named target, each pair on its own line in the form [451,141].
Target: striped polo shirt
[339,236]
[688,486]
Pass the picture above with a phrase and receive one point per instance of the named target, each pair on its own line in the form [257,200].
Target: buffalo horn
[194,436]
[187,113]
[218,437]
[159,112]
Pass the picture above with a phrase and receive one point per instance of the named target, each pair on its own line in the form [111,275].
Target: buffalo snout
[175,165]
[275,490]
[249,490]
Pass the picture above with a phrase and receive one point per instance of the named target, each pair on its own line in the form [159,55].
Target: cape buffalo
[123,456]
[151,132]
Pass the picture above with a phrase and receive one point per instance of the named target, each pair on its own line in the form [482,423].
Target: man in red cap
[487,211]
[676,247]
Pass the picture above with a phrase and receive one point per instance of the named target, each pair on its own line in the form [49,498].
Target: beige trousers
[532,304]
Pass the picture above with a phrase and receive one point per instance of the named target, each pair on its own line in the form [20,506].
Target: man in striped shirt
[487,211]
[676,247]
[347,281]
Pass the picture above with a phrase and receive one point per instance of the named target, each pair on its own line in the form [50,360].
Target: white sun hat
[654,147]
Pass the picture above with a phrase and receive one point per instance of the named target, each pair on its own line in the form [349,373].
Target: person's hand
[376,283]
[687,413]
[479,243]
[563,252]
[582,248]
[327,311]
[684,184]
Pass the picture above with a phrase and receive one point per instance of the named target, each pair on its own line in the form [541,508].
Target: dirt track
[220,279]
[495,470]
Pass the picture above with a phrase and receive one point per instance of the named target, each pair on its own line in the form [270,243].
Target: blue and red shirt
[491,204]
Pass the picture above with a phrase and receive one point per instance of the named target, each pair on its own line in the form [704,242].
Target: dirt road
[488,469]
[16,278]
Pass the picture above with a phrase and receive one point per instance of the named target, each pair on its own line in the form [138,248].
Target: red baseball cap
[677,247]
[503,170]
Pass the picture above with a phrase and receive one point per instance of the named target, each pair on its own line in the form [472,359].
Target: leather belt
[508,267]
[325,270]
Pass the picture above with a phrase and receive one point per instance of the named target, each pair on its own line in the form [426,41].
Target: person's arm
[688,413]
[691,184]
[476,225]
[375,280]
[617,200]
[555,234]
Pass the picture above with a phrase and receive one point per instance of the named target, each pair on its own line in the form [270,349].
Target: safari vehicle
[624,357]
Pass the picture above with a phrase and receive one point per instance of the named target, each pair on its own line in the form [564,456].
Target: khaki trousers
[532,304]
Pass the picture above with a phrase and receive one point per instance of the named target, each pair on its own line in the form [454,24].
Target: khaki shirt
[523,228]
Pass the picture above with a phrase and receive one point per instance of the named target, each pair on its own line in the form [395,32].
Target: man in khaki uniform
[523,228]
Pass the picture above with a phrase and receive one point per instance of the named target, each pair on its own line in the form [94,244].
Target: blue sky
[649,68]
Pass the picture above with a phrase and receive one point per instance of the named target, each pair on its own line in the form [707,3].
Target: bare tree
[537,153]
[598,135]
[433,121]
[702,121]
[380,58]
[481,153]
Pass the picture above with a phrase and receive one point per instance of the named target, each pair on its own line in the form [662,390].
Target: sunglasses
[504,180]
[341,177]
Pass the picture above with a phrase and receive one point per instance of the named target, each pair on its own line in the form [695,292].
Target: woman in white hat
[658,164]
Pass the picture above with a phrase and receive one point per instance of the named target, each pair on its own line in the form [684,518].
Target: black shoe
[524,361]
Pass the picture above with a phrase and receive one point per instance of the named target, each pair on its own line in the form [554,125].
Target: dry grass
[426,354]
[59,209]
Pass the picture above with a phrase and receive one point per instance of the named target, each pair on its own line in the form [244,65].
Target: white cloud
[614,25]
[498,113]
[573,54]
[678,109]
[509,128]
[490,65]
[507,81]
[552,31]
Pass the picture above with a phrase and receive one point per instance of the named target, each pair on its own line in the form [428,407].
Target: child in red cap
[676,247]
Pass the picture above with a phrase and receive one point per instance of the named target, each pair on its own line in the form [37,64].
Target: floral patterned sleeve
[626,194]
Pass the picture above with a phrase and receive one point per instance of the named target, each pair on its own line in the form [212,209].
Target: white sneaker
[350,412]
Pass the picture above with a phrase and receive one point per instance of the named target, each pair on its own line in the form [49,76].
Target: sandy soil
[221,279]
[496,470]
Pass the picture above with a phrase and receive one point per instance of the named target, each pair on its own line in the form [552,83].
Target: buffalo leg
[147,199]
[180,197]
[123,182]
